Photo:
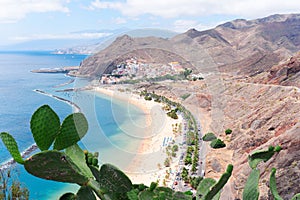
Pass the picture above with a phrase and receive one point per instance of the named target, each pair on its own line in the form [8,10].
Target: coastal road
[180,184]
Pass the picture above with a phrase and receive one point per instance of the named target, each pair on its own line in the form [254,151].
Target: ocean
[106,116]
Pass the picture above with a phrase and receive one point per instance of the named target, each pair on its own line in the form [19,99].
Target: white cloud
[183,25]
[14,10]
[120,20]
[178,8]
[105,4]
[60,36]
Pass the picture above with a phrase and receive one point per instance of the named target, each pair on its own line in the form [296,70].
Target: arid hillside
[251,85]
[241,46]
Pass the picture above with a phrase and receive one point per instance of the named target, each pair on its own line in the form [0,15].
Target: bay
[19,100]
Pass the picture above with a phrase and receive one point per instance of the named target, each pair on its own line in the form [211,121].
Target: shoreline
[7,164]
[152,150]
[72,104]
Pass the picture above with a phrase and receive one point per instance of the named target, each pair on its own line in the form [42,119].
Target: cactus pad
[44,125]
[114,181]
[85,193]
[78,157]
[182,196]
[147,195]
[12,147]
[251,191]
[204,186]
[55,165]
[68,196]
[273,186]
[220,184]
[262,155]
[73,128]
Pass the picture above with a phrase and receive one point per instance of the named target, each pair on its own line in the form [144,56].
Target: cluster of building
[134,68]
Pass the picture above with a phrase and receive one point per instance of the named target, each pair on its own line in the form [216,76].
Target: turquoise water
[19,100]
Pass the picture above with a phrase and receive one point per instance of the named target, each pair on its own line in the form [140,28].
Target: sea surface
[106,116]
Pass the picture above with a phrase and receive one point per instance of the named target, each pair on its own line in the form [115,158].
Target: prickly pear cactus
[12,147]
[251,191]
[154,192]
[73,128]
[273,186]
[220,184]
[68,196]
[114,182]
[203,187]
[84,193]
[44,125]
[57,166]
[210,189]
[76,154]
[262,155]
[296,197]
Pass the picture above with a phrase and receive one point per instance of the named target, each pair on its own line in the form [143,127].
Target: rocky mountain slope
[251,85]
[287,73]
[241,46]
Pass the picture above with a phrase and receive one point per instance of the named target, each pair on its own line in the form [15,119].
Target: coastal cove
[125,130]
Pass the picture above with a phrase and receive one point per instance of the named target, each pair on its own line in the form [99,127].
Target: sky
[25,20]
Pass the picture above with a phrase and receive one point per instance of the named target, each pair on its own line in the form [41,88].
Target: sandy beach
[148,163]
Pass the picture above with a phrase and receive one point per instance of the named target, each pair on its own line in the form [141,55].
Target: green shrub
[217,143]
[209,137]
[175,148]
[167,162]
[148,98]
[228,131]
[172,114]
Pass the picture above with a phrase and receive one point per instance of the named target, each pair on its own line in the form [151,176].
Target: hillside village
[134,68]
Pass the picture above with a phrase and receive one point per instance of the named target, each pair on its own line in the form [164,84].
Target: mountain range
[240,46]
[251,71]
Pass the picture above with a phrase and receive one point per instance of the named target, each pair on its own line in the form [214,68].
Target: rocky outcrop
[286,73]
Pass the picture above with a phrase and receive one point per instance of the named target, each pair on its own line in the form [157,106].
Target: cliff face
[263,115]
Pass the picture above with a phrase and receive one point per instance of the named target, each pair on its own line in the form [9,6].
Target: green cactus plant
[44,125]
[296,197]
[262,155]
[114,181]
[68,196]
[133,194]
[210,189]
[57,166]
[220,184]
[273,186]
[251,191]
[12,147]
[83,193]
[73,128]
[147,195]
[251,187]
[77,155]
[203,188]
[159,193]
